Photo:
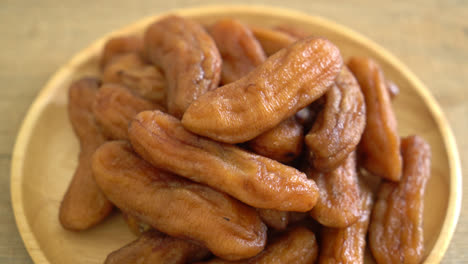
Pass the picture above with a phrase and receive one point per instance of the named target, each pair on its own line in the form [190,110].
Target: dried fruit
[114,108]
[282,143]
[188,57]
[84,205]
[339,126]
[339,202]
[379,149]
[255,180]
[272,40]
[154,247]
[396,228]
[118,46]
[271,93]
[239,49]
[347,245]
[296,246]
[176,206]
[241,53]
[141,78]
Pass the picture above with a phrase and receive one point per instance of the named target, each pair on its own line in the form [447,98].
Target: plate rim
[40,101]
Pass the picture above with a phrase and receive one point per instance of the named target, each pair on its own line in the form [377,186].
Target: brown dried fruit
[380,144]
[114,108]
[141,78]
[241,53]
[176,206]
[239,49]
[396,228]
[296,246]
[339,202]
[118,46]
[347,245]
[258,181]
[339,126]
[188,57]
[272,40]
[84,205]
[154,247]
[274,91]
[282,143]
[273,218]
[135,224]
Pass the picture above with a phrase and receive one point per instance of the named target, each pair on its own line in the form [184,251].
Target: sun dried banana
[175,206]
[338,128]
[379,150]
[142,78]
[274,91]
[241,53]
[347,245]
[114,108]
[239,49]
[188,57]
[255,180]
[396,228]
[84,205]
[339,201]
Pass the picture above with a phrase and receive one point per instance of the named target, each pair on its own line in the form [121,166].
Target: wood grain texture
[430,37]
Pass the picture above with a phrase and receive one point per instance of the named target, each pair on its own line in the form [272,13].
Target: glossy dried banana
[338,128]
[274,91]
[114,108]
[339,201]
[239,49]
[84,205]
[255,180]
[188,57]
[396,228]
[178,207]
[241,53]
[379,149]
[142,78]
[154,247]
[347,245]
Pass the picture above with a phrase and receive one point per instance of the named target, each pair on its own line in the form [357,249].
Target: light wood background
[36,37]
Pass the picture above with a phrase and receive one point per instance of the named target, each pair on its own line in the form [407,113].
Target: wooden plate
[45,154]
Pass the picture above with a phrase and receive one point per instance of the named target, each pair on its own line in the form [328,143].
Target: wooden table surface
[36,37]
